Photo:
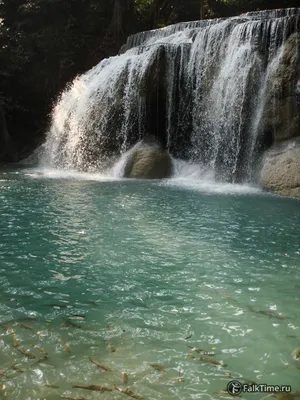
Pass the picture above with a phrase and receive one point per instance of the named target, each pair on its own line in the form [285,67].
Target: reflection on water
[132,273]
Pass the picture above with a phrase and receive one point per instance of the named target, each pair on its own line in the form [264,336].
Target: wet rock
[282,114]
[281,168]
[148,162]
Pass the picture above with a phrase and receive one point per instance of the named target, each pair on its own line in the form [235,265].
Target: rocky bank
[281,168]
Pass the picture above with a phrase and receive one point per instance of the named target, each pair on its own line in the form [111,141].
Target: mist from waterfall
[199,86]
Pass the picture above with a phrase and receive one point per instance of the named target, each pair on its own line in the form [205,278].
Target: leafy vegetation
[45,43]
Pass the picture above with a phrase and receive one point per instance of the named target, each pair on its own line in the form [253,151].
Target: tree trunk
[201,9]
[4,136]
[122,10]
[158,7]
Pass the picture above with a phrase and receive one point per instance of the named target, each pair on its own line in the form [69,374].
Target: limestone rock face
[282,114]
[281,168]
[148,162]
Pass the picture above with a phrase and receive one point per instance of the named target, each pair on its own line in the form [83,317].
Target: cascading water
[200,87]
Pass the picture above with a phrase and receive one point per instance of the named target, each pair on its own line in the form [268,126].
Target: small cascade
[200,87]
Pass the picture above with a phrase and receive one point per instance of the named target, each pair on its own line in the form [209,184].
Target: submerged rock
[147,162]
[281,168]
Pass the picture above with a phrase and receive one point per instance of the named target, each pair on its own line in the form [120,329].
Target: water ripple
[138,267]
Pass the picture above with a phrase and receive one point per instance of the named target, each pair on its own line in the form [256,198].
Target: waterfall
[200,87]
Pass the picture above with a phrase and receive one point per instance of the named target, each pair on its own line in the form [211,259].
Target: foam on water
[208,186]
[189,176]
[69,174]
[194,176]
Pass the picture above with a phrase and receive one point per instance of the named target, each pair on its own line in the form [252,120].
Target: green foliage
[142,6]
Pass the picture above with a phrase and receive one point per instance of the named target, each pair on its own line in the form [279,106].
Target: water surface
[142,265]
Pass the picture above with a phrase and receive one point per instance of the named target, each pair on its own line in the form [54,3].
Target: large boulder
[281,168]
[148,162]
